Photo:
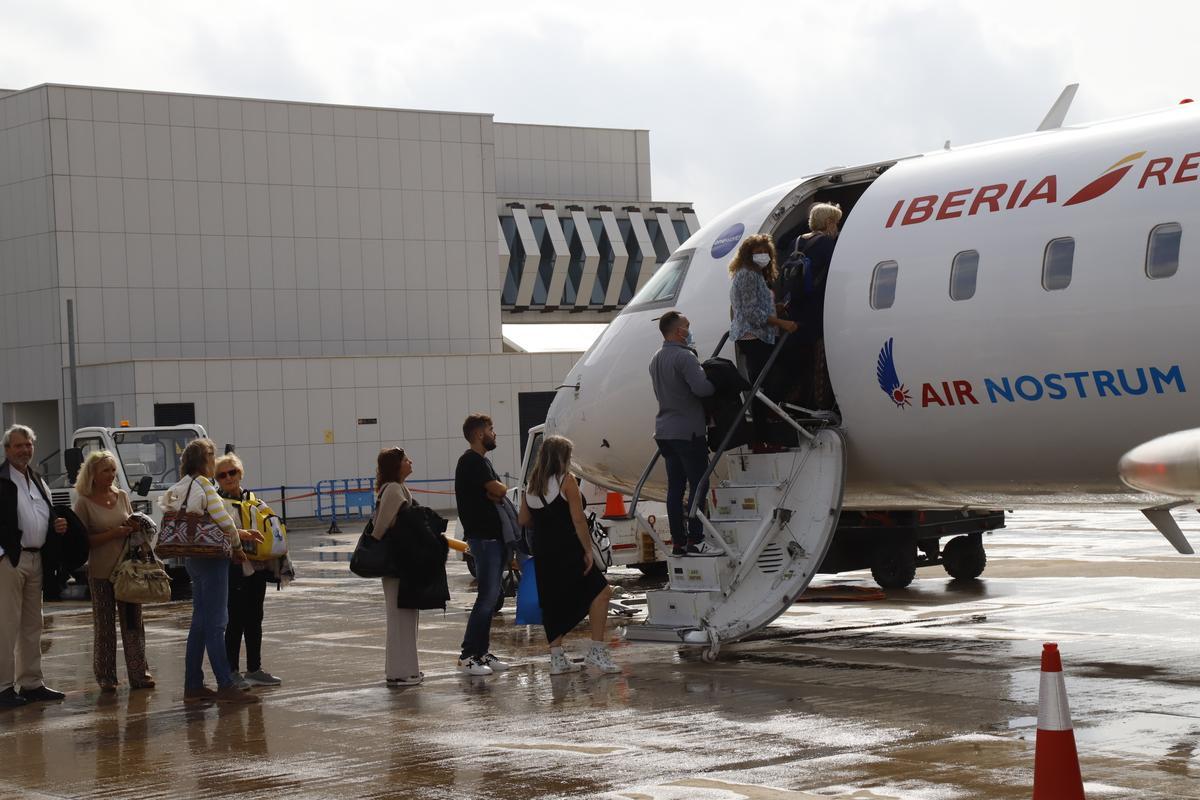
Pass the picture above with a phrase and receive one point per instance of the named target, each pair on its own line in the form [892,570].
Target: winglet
[1058,111]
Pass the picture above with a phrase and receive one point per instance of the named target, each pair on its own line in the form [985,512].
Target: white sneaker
[473,666]
[261,678]
[561,665]
[411,680]
[598,658]
[496,664]
[705,548]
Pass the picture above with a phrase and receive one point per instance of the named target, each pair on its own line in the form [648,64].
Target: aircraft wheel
[894,564]
[963,557]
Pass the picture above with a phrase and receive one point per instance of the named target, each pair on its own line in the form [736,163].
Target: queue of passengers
[228,593]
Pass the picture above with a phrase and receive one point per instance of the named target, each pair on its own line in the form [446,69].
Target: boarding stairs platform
[775,516]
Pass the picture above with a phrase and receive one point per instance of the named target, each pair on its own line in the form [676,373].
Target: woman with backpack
[248,580]
[570,586]
[418,556]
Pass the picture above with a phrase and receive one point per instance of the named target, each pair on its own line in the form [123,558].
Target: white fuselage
[1018,395]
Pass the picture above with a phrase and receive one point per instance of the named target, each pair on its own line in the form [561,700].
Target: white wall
[205,226]
[560,163]
[277,411]
[29,325]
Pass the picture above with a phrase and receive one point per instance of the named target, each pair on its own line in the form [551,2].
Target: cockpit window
[664,285]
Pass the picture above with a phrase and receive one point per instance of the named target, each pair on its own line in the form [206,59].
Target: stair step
[679,609]
[699,574]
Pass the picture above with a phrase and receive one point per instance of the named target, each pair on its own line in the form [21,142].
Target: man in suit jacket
[27,520]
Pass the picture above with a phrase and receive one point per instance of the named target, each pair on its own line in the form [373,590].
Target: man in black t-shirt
[477,490]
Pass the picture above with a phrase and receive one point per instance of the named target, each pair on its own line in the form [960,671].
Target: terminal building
[310,282]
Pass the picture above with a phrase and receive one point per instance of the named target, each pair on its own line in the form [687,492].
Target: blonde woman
[195,493]
[755,322]
[105,510]
[247,584]
[570,586]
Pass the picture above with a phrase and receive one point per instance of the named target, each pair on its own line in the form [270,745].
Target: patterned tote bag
[191,535]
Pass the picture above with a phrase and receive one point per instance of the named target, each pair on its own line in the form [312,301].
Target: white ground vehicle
[147,465]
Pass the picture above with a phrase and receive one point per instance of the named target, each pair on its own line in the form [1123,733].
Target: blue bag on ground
[529,610]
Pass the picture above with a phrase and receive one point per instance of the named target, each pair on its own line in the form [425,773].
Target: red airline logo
[1025,192]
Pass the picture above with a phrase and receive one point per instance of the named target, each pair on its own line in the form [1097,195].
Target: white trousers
[21,622]
[400,660]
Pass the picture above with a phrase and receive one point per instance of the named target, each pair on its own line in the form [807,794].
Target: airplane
[1003,322]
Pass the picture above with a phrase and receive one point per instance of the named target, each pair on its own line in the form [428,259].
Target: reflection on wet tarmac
[926,694]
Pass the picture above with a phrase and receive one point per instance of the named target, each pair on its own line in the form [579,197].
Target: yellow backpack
[255,515]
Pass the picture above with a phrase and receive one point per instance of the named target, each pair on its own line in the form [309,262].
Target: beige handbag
[139,577]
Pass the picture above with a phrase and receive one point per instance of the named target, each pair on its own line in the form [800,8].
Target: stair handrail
[637,490]
[720,451]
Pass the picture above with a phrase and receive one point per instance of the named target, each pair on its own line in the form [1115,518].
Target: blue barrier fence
[345,498]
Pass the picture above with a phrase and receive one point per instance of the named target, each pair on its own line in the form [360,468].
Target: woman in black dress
[569,585]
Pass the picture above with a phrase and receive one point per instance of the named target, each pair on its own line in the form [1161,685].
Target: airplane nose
[1167,465]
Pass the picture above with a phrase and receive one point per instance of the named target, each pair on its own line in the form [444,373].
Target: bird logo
[889,381]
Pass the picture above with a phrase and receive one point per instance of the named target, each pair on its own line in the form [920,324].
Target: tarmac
[929,693]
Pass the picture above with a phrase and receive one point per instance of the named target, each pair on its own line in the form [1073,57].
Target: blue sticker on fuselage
[728,240]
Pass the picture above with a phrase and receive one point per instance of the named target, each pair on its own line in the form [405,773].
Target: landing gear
[963,557]
[894,564]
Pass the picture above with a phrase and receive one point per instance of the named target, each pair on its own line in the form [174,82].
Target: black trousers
[246,598]
[756,352]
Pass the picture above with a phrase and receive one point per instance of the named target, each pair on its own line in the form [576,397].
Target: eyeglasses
[228,474]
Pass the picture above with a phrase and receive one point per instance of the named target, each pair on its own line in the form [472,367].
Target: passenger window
[962,275]
[1057,264]
[1162,254]
[883,284]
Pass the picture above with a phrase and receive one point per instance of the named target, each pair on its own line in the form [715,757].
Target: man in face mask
[679,429]
[477,490]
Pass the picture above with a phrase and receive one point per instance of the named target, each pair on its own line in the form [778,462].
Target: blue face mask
[690,341]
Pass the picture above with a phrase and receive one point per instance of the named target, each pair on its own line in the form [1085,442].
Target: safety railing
[741,415]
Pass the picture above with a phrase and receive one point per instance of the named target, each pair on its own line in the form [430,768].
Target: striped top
[201,497]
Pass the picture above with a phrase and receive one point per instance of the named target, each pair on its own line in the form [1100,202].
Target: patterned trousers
[106,610]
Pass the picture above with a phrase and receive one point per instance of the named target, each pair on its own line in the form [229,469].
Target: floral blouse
[752,303]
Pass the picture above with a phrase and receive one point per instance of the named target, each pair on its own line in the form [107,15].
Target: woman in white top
[195,493]
[570,586]
[400,665]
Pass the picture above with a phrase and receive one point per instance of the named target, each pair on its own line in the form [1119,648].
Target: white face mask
[762,259]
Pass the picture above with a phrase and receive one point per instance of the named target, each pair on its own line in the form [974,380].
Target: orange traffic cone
[1056,763]
[614,505]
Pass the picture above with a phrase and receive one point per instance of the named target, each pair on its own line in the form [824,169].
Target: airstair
[774,514]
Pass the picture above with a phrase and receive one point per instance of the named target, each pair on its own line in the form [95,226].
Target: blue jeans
[210,614]
[686,460]
[489,568]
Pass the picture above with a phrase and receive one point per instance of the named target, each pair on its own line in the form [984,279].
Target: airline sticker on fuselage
[1024,192]
[723,245]
[1073,385]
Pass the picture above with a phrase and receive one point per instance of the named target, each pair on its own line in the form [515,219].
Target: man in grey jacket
[679,429]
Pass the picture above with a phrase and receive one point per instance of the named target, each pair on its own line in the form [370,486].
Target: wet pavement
[929,693]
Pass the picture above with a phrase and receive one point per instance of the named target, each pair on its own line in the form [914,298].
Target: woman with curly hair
[752,306]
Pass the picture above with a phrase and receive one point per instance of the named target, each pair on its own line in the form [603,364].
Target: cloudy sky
[737,96]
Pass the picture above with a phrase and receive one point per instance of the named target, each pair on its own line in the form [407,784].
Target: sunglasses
[228,474]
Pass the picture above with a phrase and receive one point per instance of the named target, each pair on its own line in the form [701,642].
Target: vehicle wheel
[963,557]
[470,559]
[894,564]
[656,569]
